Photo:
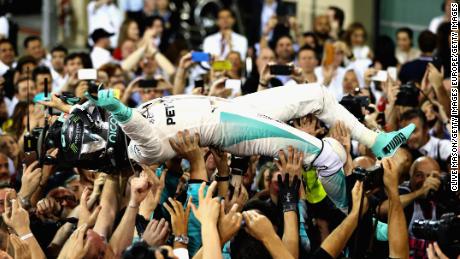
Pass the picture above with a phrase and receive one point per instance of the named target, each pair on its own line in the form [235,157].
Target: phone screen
[283,70]
[148,83]
[329,54]
[198,56]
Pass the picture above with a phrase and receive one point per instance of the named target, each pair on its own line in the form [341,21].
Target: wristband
[262,84]
[221,178]
[26,236]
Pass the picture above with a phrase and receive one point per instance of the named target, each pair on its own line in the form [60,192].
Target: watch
[183,239]
[219,178]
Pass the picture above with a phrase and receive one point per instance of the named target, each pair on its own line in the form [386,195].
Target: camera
[239,165]
[408,95]
[354,105]
[372,178]
[444,231]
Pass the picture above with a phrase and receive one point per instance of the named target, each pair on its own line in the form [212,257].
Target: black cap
[99,34]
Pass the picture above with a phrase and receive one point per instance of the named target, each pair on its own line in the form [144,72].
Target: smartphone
[282,70]
[87,74]
[222,65]
[392,72]
[198,56]
[239,164]
[437,62]
[329,54]
[381,76]
[148,83]
[233,84]
[199,83]
[29,158]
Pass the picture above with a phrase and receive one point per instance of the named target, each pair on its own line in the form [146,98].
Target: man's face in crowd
[307,61]
[310,41]
[284,49]
[225,20]
[149,5]
[4,170]
[9,146]
[403,41]
[35,49]
[22,90]
[423,168]
[65,198]
[40,82]
[149,66]
[234,58]
[6,53]
[104,43]
[322,26]
[350,82]
[73,65]
[162,4]
[420,135]
[266,56]
[57,60]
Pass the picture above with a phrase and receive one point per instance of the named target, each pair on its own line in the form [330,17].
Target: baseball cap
[99,34]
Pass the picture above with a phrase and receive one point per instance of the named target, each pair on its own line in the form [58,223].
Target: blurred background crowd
[387,62]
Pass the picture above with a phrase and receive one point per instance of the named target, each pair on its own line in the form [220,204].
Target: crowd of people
[205,202]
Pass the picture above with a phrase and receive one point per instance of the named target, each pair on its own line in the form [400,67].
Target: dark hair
[414,114]
[225,9]
[152,19]
[339,15]
[308,48]
[59,48]
[20,111]
[22,61]
[244,246]
[427,41]
[85,60]
[313,35]
[409,32]
[40,70]
[3,41]
[352,28]
[384,52]
[29,39]
[71,56]
[139,250]
[110,68]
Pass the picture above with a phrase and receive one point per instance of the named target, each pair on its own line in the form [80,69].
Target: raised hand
[156,232]
[15,216]
[140,186]
[288,194]
[85,216]
[292,163]
[208,207]
[309,124]
[179,216]
[239,198]
[20,249]
[30,180]
[356,194]
[56,103]
[230,223]
[49,208]
[342,134]
[76,247]
[257,225]
[186,146]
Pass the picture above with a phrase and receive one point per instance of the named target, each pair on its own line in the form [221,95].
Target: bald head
[422,168]
[364,162]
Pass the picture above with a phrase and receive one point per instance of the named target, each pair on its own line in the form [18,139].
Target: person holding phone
[225,40]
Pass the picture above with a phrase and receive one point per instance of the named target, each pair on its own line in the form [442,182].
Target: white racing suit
[247,125]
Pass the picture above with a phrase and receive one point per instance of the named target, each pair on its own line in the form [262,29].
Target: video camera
[354,105]
[408,95]
[372,178]
[444,231]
